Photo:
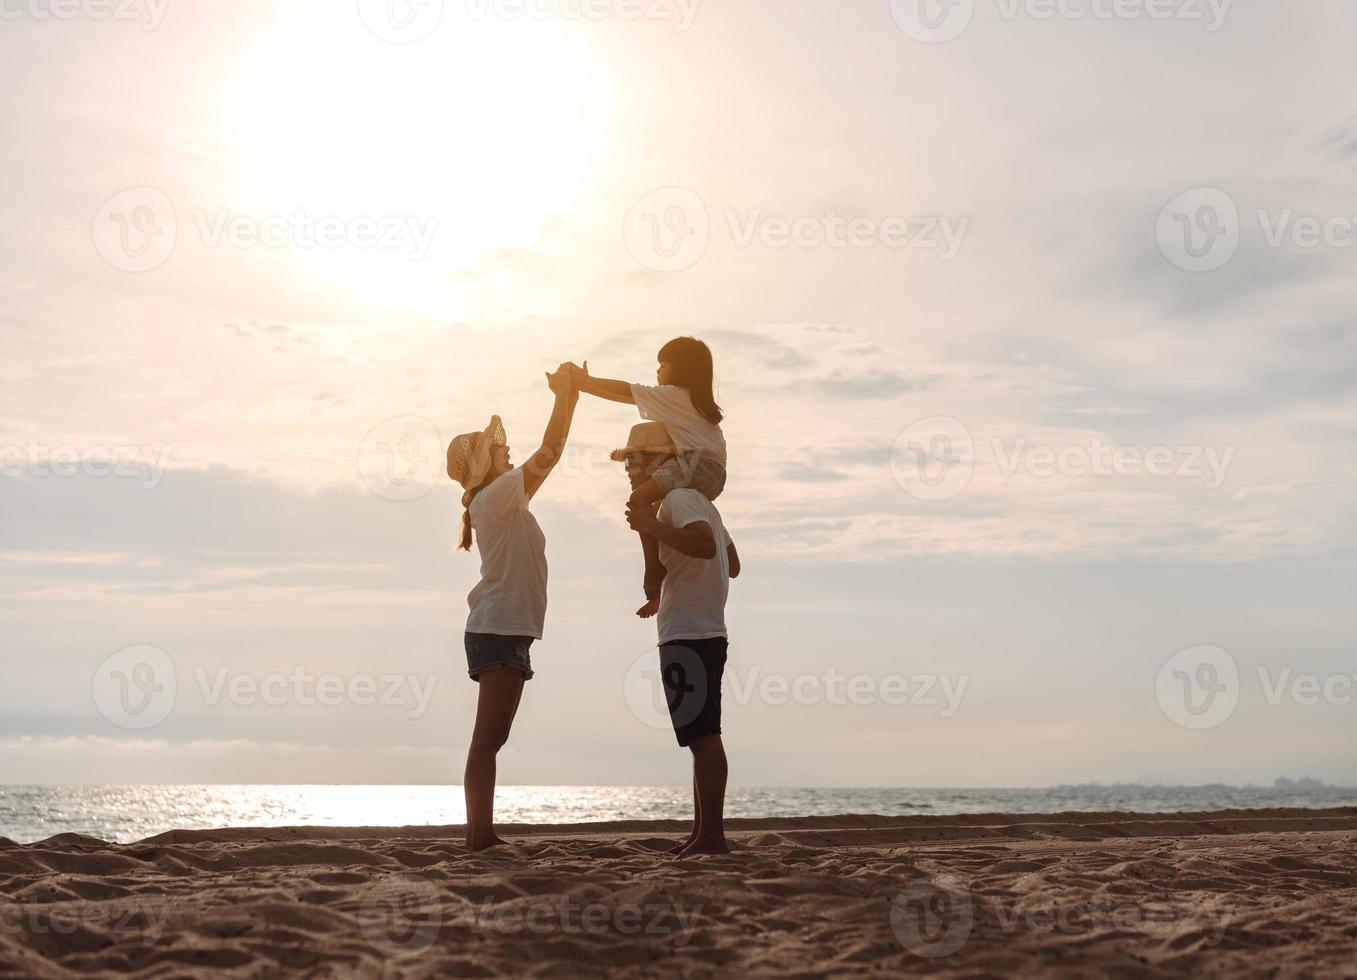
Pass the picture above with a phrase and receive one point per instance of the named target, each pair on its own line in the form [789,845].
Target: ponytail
[464,541]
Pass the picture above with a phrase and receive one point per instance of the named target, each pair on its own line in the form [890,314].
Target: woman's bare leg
[496,705]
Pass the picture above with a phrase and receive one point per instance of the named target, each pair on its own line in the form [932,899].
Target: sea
[130,813]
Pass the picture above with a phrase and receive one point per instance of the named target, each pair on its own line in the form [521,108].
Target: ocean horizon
[127,813]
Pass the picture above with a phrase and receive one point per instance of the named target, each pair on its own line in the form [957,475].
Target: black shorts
[691,671]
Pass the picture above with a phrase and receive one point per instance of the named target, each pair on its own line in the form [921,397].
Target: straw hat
[647,437]
[469,455]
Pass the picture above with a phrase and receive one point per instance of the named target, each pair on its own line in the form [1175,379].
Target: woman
[509,603]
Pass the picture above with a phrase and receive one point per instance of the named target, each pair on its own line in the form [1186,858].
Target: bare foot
[705,847]
[651,607]
[482,844]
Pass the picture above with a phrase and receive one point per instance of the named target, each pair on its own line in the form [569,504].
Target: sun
[486,125]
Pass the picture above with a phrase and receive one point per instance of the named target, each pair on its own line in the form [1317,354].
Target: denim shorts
[696,469]
[486,651]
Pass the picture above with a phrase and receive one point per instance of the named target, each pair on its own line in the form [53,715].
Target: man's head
[648,445]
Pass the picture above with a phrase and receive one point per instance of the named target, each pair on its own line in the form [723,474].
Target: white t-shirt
[693,597]
[511,597]
[688,427]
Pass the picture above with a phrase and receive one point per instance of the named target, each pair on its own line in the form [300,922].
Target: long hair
[691,360]
[464,543]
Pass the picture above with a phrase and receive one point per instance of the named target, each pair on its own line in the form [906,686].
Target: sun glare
[484,126]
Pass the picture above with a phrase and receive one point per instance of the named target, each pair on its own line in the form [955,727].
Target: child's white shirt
[673,406]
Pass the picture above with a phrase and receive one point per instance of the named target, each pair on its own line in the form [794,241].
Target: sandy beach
[1236,893]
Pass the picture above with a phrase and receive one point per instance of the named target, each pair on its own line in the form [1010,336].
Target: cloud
[861,385]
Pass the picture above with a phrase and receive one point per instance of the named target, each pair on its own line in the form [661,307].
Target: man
[699,560]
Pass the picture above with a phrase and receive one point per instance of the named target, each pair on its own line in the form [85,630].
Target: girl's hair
[691,361]
[464,542]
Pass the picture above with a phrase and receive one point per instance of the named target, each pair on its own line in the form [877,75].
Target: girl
[509,603]
[683,402]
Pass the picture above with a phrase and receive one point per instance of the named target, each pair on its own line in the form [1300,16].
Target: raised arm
[613,391]
[543,461]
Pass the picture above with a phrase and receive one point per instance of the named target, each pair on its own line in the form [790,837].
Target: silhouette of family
[676,464]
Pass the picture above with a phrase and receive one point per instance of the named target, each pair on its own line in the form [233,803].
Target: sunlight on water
[129,813]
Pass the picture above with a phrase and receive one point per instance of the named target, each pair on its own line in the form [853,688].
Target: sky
[1032,323]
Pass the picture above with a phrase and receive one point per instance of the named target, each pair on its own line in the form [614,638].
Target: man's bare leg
[709,776]
[697,810]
